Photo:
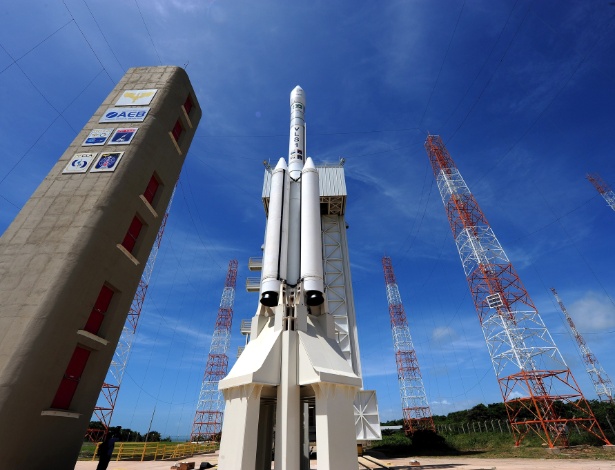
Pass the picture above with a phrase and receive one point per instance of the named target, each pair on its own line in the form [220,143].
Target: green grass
[485,445]
[87,451]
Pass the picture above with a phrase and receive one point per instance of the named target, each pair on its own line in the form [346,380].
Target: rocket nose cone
[297,95]
[281,164]
[309,163]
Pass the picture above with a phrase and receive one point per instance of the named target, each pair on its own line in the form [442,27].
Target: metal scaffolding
[416,410]
[533,376]
[210,407]
[603,188]
[601,381]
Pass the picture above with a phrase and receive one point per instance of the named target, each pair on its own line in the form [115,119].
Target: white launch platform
[301,366]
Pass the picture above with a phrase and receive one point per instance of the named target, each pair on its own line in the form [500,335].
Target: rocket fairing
[293,244]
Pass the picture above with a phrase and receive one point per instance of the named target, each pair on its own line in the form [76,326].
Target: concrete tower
[302,363]
[71,261]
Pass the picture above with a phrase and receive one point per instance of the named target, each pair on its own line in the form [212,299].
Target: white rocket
[293,245]
[293,357]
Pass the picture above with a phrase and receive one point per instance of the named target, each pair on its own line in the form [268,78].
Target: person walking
[105,451]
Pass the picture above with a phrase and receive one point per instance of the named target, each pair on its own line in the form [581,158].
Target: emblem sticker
[79,163]
[108,161]
[97,137]
[123,136]
[136,98]
[125,115]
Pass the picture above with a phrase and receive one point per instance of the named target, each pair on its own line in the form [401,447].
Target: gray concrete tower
[71,261]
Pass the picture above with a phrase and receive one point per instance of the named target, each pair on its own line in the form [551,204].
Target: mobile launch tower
[301,365]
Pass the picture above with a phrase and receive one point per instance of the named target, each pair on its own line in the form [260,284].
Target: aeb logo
[125,115]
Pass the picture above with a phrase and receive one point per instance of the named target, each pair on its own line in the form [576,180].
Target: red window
[188,105]
[70,381]
[130,239]
[177,130]
[97,315]
[151,189]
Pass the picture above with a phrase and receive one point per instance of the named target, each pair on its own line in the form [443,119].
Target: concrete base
[240,428]
[610,448]
[554,450]
[337,444]
[279,372]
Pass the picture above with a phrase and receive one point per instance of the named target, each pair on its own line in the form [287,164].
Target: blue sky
[522,93]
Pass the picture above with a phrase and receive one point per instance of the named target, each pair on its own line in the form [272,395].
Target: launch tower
[302,363]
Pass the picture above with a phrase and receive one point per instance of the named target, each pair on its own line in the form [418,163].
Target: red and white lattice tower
[602,383]
[415,408]
[532,374]
[603,188]
[103,411]
[210,408]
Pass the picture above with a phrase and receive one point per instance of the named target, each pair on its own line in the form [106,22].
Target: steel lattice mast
[601,381]
[603,188]
[210,408]
[416,410]
[532,374]
[103,411]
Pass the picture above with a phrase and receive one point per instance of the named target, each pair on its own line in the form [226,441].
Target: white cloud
[594,312]
[444,333]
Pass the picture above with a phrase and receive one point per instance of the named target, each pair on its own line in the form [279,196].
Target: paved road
[428,463]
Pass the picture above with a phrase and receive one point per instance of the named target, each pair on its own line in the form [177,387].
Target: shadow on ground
[422,443]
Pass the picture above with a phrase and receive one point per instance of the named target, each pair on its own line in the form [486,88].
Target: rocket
[293,357]
[292,257]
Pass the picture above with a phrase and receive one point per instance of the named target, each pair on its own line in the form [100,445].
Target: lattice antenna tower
[103,411]
[210,408]
[532,374]
[601,381]
[415,408]
[603,188]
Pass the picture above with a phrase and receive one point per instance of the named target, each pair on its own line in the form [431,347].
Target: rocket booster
[293,243]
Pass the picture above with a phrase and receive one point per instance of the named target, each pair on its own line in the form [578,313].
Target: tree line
[128,435]
[603,411]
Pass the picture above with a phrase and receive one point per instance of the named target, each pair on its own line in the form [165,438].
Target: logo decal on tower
[97,137]
[125,115]
[79,163]
[107,161]
[123,136]
[136,98]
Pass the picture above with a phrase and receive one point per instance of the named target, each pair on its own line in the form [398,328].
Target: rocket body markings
[293,245]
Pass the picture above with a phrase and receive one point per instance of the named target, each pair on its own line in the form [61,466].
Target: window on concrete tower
[130,239]
[177,131]
[97,315]
[152,188]
[70,380]
[188,105]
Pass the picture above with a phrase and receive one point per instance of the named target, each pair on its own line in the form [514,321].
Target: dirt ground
[431,463]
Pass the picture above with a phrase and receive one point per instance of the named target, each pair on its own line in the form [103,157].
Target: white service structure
[301,365]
